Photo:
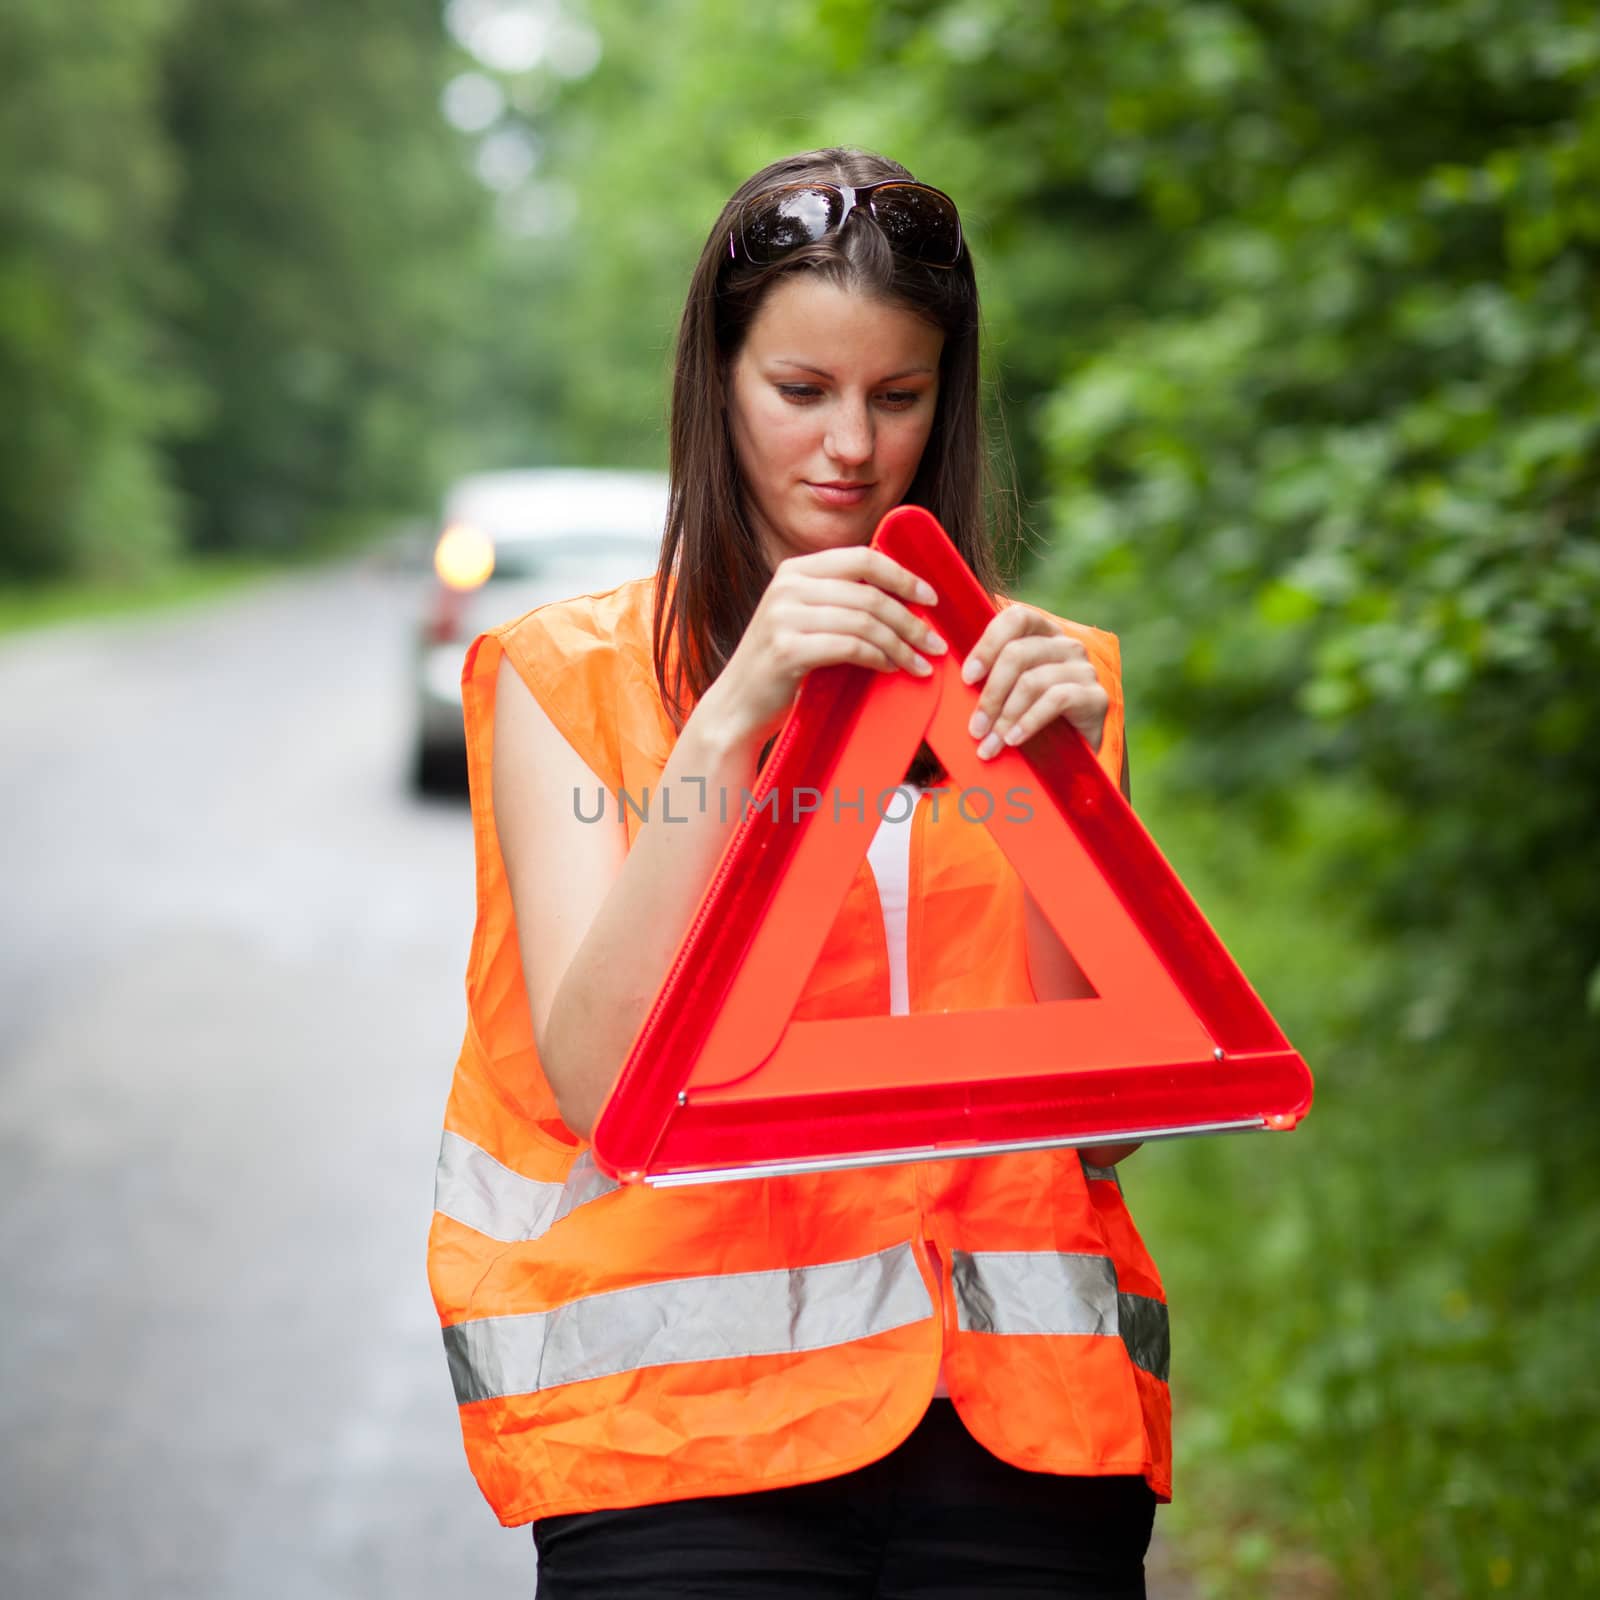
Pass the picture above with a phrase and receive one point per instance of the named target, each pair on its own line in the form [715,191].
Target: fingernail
[920,666]
[926,593]
[935,644]
[989,747]
[1014,733]
[979,725]
[971,669]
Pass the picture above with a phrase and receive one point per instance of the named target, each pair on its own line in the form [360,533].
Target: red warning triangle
[721,1082]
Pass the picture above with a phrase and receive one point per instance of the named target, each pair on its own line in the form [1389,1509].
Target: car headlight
[464,556]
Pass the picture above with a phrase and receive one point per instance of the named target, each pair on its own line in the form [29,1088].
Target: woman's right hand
[845,604]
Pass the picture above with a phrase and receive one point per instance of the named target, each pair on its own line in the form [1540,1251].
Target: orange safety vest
[618,1345]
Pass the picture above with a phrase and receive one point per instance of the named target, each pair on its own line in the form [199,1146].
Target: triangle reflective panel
[721,1082]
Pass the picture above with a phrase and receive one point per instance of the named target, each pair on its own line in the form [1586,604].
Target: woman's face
[830,402]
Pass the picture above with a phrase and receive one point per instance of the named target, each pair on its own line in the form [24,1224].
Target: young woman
[931,1378]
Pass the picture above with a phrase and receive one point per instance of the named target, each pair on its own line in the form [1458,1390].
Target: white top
[889,856]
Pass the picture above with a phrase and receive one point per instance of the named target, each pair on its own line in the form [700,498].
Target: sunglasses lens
[918,223]
[777,224]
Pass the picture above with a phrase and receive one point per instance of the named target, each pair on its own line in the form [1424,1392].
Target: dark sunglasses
[920,223]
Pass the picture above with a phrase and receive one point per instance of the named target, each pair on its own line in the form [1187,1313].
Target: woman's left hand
[1035,673]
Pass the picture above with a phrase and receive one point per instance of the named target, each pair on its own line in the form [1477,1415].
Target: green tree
[331,238]
[86,382]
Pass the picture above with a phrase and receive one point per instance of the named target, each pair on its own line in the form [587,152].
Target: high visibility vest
[616,1345]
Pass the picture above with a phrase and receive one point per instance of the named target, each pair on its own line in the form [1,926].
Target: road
[231,957]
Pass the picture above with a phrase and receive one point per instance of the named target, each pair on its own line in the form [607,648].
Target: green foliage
[1361,443]
[234,243]
[326,226]
[85,191]
[1381,1345]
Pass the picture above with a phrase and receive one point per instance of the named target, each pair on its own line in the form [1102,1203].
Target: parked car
[509,541]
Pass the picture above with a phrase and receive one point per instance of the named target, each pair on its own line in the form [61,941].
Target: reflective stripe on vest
[687,1319]
[474,1189]
[1053,1292]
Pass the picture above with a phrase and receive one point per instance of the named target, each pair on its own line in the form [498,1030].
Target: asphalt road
[231,958]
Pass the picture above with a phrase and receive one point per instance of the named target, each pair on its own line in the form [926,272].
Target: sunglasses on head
[920,223]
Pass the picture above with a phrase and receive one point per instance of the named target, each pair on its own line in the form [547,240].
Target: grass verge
[193,578]
[38,605]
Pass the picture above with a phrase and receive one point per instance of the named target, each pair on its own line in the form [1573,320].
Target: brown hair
[710,546]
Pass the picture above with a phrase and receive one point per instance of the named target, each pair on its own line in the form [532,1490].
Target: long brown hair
[716,564]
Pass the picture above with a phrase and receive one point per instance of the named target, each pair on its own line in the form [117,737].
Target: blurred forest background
[1294,330]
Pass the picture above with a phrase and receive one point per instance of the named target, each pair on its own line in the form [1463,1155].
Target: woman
[940,1377]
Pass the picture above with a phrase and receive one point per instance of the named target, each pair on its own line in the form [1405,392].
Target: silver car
[510,541]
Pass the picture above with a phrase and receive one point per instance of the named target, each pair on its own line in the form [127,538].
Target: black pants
[939,1516]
